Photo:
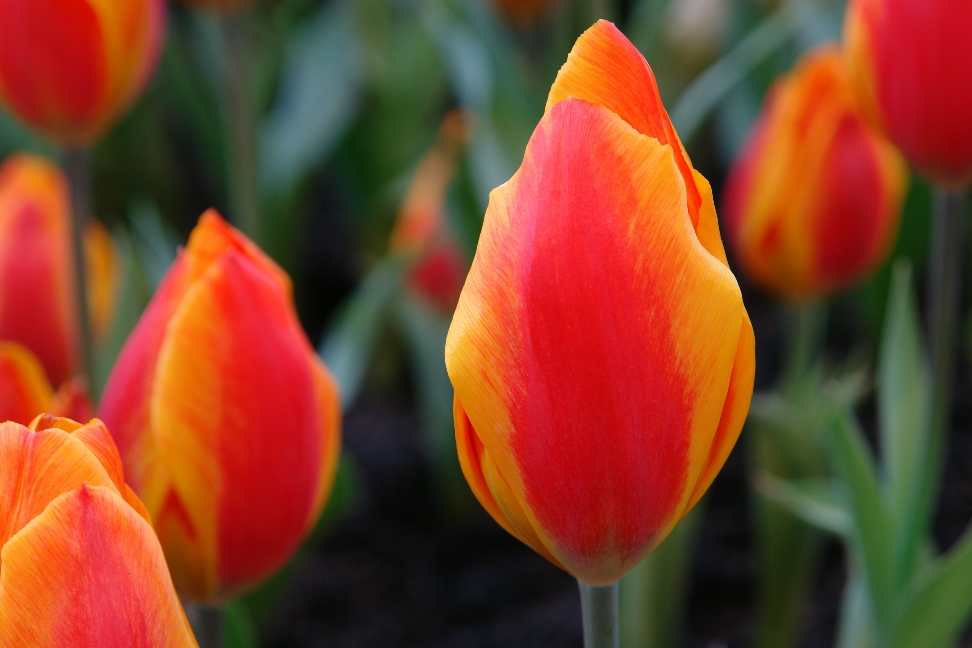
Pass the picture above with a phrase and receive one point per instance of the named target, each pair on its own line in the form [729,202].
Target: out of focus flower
[422,227]
[70,68]
[814,199]
[912,62]
[226,420]
[81,564]
[25,391]
[601,354]
[522,13]
[38,306]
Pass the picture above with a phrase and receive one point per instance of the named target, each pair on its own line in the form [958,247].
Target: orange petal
[605,69]
[72,401]
[35,468]
[593,343]
[88,572]
[37,306]
[104,277]
[237,423]
[24,390]
[329,413]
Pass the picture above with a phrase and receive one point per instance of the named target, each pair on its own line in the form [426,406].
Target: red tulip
[38,307]
[813,202]
[912,62]
[422,227]
[70,68]
[227,422]
[25,391]
[82,567]
[601,354]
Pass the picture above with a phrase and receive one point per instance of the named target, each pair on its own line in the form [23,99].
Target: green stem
[805,332]
[240,126]
[207,624]
[944,289]
[599,611]
[77,167]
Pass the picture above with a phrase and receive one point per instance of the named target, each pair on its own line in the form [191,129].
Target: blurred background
[382,125]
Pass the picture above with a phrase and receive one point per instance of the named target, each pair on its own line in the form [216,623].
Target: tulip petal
[104,277]
[606,69]
[24,390]
[329,412]
[594,341]
[88,573]
[37,306]
[234,361]
[36,467]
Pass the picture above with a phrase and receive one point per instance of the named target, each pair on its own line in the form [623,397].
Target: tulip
[25,391]
[422,227]
[70,68]
[522,13]
[81,564]
[601,354]
[814,199]
[38,307]
[227,422]
[912,62]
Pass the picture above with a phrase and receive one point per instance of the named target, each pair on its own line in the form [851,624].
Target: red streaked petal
[88,572]
[594,341]
[237,423]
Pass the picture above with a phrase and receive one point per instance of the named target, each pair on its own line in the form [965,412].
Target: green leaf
[320,86]
[815,500]
[347,347]
[938,603]
[904,410]
[872,527]
[856,628]
[239,629]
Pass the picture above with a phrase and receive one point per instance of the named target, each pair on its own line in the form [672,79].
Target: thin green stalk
[240,126]
[806,326]
[208,623]
[599,611]
[77,167]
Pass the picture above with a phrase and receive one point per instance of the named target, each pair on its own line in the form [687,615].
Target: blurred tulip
[522,13]
[38,307]
[912,62]
[25,391]
[601,354]
[70,68]
[814,199]
[81,564]
[226,420]
[422,227]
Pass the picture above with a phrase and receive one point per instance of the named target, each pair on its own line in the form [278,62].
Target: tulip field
[485,323]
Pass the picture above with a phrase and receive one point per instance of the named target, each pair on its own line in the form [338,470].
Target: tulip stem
[76,163]
[207,624]
[240,126]
[944,290]
[599,611]
[808,323]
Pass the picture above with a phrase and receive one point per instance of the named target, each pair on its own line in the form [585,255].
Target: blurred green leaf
[815,500]
[857,626]
[320,86]
[154,242]
[938,603]
[904,410]
[872,528]
[347,347]
[238,627]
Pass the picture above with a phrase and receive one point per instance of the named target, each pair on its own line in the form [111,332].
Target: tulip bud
[911,61]
[38,306]
[70,68]
[226,420]
[814,199]
[81,564]
[601,354]
[422,228]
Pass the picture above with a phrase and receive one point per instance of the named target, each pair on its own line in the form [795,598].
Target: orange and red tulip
[227,422]
[422,227]
[38,306]
[601,354]
[522,13]
[82,567]
[814,199]
[912,62]
[25,391]
[70,68]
